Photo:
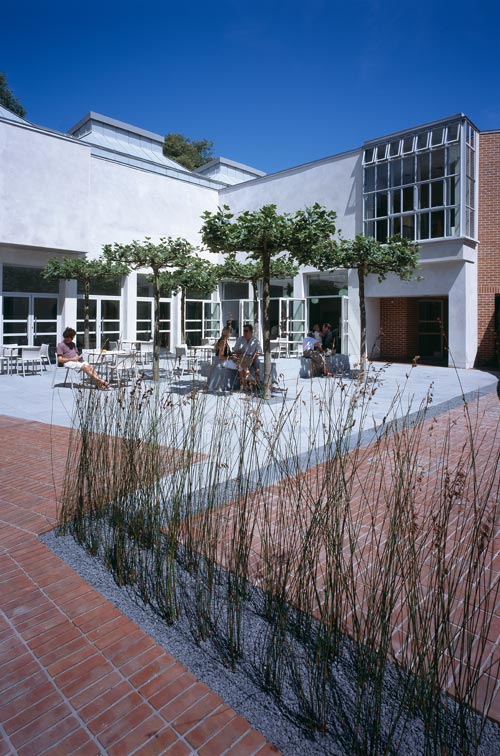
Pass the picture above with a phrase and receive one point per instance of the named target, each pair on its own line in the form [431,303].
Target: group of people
[235,365]
[316,346]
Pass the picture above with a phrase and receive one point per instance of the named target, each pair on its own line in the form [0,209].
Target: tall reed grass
[373,568]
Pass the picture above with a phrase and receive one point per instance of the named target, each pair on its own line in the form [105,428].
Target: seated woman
[221,377]
[69,357]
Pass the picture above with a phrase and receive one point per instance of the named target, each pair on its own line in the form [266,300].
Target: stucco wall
[127,203]
[44,189]
[334,182]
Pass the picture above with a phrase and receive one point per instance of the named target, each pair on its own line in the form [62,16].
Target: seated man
[246,353]
[327,338]
[69,357]
[312,349]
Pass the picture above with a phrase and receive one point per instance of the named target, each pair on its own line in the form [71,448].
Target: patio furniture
[30,356]
[187,364]
[44,352]
[9,354]
[122,368]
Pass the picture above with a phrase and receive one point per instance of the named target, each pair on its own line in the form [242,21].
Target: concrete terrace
[76,675]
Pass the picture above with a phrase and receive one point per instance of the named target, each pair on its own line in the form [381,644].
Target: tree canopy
[188,152]
[266,235]
[167,254]
[7,98]
[86,272]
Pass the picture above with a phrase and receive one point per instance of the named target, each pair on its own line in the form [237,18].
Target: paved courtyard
[77,676]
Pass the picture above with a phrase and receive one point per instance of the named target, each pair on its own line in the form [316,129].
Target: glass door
[431,330]
[30,319]
[211,326]
[145,321]
[292,323]
[104,314]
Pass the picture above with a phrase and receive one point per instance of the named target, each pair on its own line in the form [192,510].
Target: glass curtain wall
[412,184]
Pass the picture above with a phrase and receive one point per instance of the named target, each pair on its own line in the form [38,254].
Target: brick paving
[76,675]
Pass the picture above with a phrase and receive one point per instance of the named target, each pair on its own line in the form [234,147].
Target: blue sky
[272,83]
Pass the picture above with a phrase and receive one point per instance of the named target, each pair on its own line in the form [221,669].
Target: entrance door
[431,330]
[145,321]
[202,320]
[30,319]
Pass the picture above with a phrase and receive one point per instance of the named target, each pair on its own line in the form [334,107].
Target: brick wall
[489,244]
[398,329]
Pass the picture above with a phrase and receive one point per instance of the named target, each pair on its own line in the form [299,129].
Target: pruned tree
[188,152]
[86,272]
[266,235]
[167,254]
[7,98]
[368,256]
[194,273]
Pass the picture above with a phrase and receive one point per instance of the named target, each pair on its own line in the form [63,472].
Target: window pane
[408,144]
[368,156]
[408,199]
[396,201]
[381,204]
[408,227]
[437,224]
[408,170]
[437,162]
[423,167]
[451,228]
[452,132]
[394,148]
[422,140]
[381,151]
[424,226]
[423,193]
[453,159]
[144,311]
[437,137]
[396,225]
[370,228]
[370,206]
[396,173]
[370,179]
[382,176]
[381,229]
[144,287]
[437,193]
[27,280]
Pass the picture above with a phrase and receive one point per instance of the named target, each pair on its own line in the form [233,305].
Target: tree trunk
[183,315]
[362,320]
[255,289]
[266,335]
[86,315]
[156,332]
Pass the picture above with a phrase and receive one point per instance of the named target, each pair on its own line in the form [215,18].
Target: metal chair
[122,369]
[44,353]
[30,356]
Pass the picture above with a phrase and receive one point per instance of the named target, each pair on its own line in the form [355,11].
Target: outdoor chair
[122,369]
[185,365]
[9,355]
[44,353]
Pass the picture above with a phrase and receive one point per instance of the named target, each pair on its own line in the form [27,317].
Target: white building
[106,181]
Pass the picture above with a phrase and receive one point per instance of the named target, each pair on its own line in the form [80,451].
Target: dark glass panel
[143,310]
[395,172]
[15,308]
[408,170]
[382,204]
[422,140]
[370,178]
[112,287]
[453,159]
[423,194]
[408,230]
[437,137]
[407,144]
[92,309]
[370,206]
[381,231]
[437,193]
[17,278]
[437,163]
[144,287]
[235,290]
[437,224]
[382,176]
[369,155]
[396,201]
[408,199]
[370,228]
[396,225]
[394,148]
[423,164]
[424,226]
[452,132]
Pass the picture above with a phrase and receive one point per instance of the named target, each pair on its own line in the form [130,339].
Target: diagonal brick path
[76,675]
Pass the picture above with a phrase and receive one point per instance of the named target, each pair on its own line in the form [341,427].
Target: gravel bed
[240,689]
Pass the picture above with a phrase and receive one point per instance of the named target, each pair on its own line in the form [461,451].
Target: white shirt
[250,347]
